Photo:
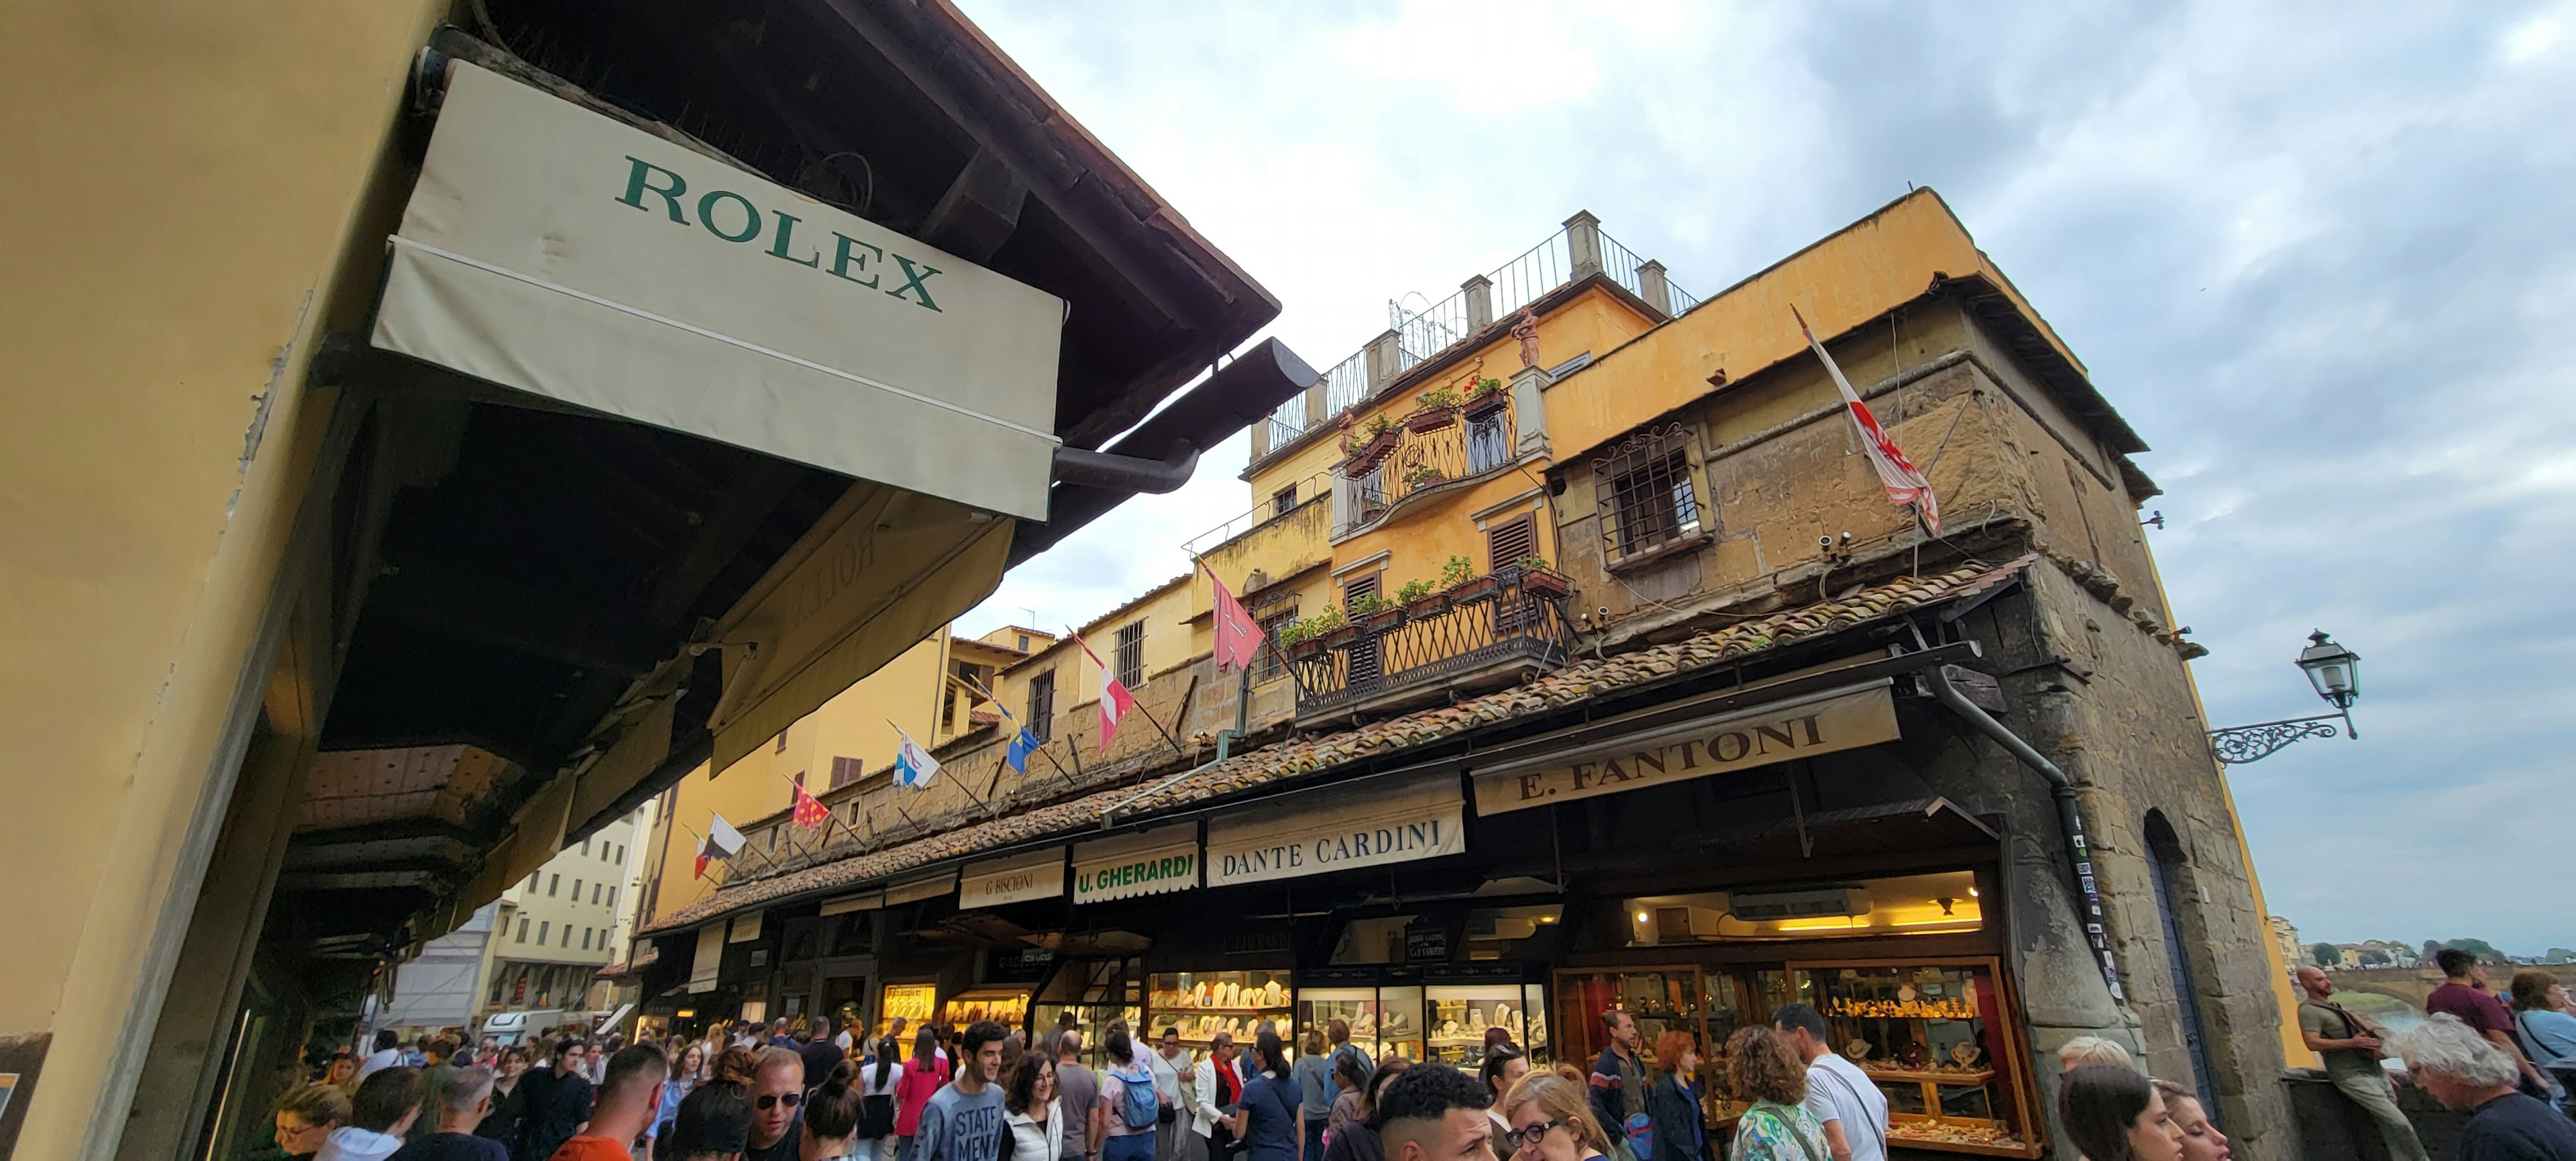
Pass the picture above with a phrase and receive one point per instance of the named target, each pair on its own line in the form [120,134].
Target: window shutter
[1510,541]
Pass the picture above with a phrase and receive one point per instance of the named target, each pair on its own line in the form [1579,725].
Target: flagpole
[1139,703]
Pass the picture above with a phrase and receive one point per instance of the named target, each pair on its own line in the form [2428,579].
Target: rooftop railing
[1425,334]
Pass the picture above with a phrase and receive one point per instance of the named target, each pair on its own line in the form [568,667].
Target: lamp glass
[2334,670]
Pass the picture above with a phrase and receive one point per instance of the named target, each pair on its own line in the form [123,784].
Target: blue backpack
[1138,1107]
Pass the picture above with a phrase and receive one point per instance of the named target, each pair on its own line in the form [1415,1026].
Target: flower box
[1482,588]
[1376,624]
[1546,582]
[1430,606]
[1486,405]
[1301,650]
[1367,456]
[1431,419]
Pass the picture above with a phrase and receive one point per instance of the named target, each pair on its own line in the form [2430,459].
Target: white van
[520,1027]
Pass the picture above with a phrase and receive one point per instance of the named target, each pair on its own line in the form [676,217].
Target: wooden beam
[980,209]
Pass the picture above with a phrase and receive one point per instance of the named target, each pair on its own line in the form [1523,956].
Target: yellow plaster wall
[181,201]
[1848,278]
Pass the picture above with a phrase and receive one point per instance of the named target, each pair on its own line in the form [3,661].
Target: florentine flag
[1904,484]
[1238,636]
[810,811]
[1115,701]
[913,766]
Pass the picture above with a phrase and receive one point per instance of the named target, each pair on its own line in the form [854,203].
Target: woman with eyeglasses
[1029,1102]
[1551,1120]
[1760,1065]
[306,1115]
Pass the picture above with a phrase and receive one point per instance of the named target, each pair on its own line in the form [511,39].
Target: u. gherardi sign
[1150,863]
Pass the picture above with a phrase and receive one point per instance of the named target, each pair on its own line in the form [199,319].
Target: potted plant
[1369,444]
[1439,409]
[1421,598]
[1486,398]
[1459,578]
[1420,476]
[1538,578]
[1304,638]
[1322,631]
[1376,614]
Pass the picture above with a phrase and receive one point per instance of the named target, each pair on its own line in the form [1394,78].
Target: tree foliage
[2325,954]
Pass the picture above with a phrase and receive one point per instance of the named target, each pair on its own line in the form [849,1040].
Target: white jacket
[351,1143]
[1204,1118]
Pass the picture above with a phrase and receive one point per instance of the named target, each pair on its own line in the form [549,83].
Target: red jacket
[920,1079]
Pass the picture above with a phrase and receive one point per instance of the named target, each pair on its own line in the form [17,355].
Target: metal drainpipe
[2069,818]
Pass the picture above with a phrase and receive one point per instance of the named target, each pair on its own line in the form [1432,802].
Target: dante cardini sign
[558,251]
[1361,827]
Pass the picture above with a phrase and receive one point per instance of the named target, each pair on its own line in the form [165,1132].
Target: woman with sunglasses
[1760,1065]
[1551,1120]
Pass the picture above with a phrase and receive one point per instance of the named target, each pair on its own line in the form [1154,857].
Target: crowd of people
[799,1091]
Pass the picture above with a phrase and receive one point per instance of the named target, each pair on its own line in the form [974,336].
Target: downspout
[2070,819]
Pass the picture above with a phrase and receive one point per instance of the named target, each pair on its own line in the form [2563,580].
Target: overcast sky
[2321,258]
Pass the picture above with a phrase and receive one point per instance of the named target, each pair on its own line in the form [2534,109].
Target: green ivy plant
[1484,387]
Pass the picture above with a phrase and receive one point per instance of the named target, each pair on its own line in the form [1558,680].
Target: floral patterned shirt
[1776,1132]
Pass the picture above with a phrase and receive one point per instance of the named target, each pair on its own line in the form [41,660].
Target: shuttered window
[1511,540]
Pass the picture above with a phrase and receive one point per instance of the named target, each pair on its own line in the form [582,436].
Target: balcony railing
[1426,333]
[1427,459]
[1490,627]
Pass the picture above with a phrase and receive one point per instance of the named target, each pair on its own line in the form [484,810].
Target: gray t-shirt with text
[958,1127]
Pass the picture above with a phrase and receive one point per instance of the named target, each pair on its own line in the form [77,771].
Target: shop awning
[1017,879]
[555,250]
[1150,862]
[1399,822]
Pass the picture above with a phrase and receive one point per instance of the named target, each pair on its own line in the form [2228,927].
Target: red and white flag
[1238,636]
[1115,701]
[1905,485]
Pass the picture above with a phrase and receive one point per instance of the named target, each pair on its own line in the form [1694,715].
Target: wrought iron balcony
[1476,439]
[1488,632]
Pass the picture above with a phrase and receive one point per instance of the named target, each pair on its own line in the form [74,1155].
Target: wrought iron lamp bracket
[2240,744]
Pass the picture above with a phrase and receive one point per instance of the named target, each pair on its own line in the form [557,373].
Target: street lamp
[2335,672]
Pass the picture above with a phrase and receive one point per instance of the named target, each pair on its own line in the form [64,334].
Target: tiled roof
[1578,682]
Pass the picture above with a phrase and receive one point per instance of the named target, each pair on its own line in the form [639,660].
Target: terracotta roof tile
[1577,682]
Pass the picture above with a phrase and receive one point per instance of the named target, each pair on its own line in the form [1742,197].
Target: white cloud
[2318,256]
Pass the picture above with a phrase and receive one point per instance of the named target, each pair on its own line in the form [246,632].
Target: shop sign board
[1422,818]
[553,249]
[1017,879]
[1821,723]
[1153,862]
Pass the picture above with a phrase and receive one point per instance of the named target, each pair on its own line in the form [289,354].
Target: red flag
[1238,637]
[1904,484]
[1115,701]
[810,811]
[701,871]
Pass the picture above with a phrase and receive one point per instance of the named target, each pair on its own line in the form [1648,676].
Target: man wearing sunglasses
[777,1097]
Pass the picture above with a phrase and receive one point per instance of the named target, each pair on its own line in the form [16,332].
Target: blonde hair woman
[1552,1120]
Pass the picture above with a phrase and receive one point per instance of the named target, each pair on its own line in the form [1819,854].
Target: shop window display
[1094,993]
[1460,1015]
[1006,1006]
[1936,1039]
[912,1003]
[1201,1004]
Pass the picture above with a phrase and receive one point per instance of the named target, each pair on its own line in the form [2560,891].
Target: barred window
[1041,721]
[1645,489]
[1270,661]
[1283,500]
[1131,655]
[1489,442]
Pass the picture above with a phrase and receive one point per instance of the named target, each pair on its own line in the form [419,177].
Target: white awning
[1398,822]
[558,251]
[710,958]
[1017,879]
[1149,863]
[1799,727]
